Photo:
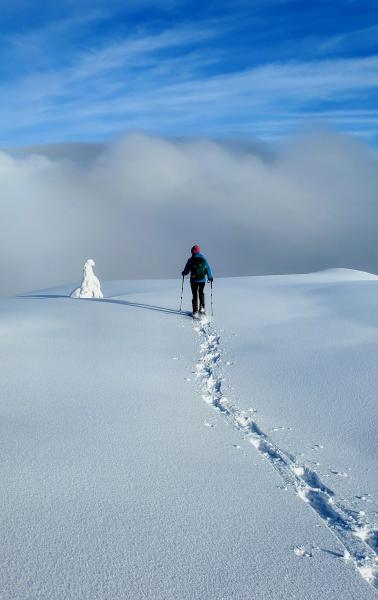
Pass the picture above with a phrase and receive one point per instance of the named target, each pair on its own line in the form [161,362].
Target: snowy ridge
[358,537]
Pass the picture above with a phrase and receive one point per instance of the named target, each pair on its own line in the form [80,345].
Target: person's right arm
[187,268]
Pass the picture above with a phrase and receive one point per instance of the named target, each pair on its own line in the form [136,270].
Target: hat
[196,249]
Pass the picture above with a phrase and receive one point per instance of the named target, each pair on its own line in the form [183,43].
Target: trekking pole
[211,287]
[182,291]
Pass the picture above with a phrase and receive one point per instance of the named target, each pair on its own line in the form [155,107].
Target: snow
[145,455]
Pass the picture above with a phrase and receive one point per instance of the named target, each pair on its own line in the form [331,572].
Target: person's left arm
[209,272]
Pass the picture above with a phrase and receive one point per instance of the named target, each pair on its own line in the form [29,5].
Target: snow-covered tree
[90,286]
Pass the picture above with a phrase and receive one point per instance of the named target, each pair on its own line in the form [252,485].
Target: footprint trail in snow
[358,537]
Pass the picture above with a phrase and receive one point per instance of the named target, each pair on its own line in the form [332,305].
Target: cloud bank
[138,204]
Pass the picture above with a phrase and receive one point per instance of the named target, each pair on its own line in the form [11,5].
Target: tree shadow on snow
[142,305]
[332,553]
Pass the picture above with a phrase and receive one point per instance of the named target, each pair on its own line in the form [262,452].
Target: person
[199,270]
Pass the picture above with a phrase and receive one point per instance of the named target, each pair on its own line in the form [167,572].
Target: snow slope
[147,456]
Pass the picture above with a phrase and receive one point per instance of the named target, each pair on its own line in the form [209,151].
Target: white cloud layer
[137,206]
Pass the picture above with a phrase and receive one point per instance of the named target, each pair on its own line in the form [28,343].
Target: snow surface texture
[357,535]
[90,286]
[118,482]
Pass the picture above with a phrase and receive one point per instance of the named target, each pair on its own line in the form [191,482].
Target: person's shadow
[163,309]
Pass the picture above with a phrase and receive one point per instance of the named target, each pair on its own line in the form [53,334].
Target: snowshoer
[199,270]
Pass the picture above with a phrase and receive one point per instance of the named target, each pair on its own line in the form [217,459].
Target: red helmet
[196,249]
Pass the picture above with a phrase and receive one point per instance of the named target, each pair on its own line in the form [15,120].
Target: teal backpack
[198,269]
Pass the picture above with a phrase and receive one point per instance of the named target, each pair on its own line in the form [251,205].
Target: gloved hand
[211,279]
[182,274]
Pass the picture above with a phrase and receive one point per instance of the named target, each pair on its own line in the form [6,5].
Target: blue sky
[88,71]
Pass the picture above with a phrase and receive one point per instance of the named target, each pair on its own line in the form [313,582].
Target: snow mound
[339,274]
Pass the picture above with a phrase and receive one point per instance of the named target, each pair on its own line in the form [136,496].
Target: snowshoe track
[357,536]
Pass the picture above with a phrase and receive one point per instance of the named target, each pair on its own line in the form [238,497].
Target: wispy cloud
[132,84]
[87,75]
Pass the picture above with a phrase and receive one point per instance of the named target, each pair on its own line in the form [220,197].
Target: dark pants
[198,291]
